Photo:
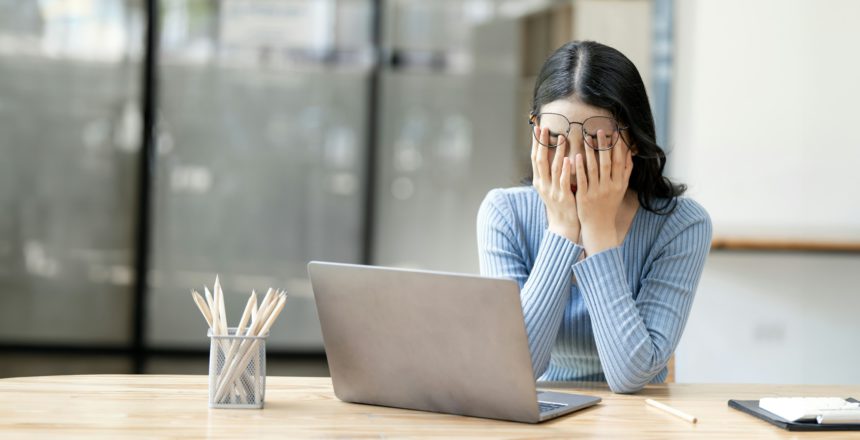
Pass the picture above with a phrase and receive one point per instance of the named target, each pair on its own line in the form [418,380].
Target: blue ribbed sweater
[615,316]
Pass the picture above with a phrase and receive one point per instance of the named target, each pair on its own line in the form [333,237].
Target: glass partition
[261,157]
[69,137]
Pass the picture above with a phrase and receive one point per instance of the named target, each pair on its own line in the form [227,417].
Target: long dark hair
[603,77]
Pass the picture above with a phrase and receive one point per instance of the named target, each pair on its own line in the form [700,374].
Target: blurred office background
[283,131]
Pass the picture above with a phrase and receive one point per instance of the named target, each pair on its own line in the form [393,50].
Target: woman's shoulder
[688,210]
[519,207]
[684,214]
[512,199]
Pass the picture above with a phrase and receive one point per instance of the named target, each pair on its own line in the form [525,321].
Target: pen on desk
[671,410]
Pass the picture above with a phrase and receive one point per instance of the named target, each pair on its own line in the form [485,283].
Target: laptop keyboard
[549,406]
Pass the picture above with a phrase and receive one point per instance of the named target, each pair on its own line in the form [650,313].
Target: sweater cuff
[557,251]
[602,274]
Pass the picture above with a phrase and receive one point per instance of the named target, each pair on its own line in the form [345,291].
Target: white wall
[765,114]
[763,129]
[774,318]
[625,25]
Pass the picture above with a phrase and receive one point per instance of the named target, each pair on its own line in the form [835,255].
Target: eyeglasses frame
[533,123]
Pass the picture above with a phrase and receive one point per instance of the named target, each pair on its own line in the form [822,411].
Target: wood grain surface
[157,406]
[787,245]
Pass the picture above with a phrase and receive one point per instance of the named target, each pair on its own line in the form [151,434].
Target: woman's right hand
[552,182]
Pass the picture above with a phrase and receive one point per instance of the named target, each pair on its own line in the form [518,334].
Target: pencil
[248,347]
[222,314]
[671,410]
[201,304]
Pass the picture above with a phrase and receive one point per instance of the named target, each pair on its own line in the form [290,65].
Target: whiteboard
[765,117]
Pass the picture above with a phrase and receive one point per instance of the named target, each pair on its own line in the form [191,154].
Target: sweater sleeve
[635,338]
[544,289]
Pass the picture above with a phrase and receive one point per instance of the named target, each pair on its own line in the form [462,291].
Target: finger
[535,175]
[542,165]
[605,157]
[581,178]
[558,160]
[591,165]
[619,162]
[564,179]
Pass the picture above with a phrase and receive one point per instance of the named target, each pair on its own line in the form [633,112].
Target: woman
[606,252]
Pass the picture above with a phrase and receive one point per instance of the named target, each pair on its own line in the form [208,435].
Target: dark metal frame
[585,134]
[372,135]
[146,179]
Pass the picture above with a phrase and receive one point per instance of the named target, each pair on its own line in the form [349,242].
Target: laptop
[431,341]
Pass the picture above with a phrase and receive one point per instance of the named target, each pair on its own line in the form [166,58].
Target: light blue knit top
[615,316]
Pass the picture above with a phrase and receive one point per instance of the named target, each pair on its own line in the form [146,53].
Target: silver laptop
[431,341]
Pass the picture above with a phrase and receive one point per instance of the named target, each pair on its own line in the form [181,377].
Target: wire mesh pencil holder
[237,370]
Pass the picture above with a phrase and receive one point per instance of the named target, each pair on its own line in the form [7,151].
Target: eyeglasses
[560,125]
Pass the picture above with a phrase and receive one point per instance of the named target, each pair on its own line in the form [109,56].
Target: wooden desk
[149,406]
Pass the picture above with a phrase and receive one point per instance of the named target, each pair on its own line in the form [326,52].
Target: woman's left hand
[600,190]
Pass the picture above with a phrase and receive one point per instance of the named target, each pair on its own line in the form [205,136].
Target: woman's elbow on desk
[625,388]
[539,366]
[629,383]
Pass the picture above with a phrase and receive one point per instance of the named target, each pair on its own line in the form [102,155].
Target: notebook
[751,407]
